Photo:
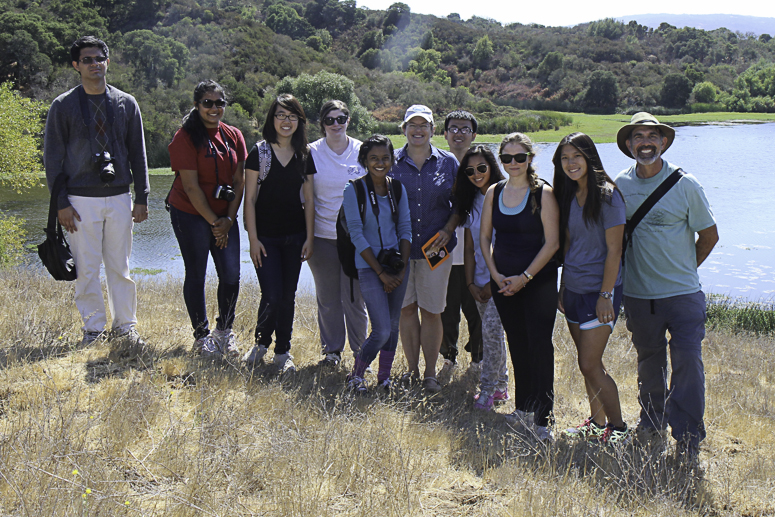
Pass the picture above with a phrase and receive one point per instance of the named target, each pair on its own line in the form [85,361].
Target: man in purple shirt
[428,174]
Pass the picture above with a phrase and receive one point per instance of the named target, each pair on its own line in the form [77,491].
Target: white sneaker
[256,355]
[445,374]
[227,342]
[543,434]
[284,362]
[208,346]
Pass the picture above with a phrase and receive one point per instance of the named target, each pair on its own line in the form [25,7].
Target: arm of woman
[561,293]
[469,266]
[257,250]
[309,217]
[550,218]
[223,225]
[613,260]
[485,237]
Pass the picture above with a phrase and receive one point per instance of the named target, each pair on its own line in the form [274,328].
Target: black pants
[528,319]
[459,296]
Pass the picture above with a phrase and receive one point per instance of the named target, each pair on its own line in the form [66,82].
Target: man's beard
[648,160]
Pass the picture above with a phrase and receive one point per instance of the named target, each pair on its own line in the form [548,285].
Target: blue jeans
[196,241]
[384,313]
[682,405]
[278,277]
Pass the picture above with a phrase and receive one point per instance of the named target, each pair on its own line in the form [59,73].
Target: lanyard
[215,153]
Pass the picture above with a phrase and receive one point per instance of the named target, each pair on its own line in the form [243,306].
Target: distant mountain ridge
[735,23]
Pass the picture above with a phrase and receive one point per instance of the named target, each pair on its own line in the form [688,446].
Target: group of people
[516,230]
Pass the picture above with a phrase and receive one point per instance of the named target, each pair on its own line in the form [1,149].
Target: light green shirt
[662,260]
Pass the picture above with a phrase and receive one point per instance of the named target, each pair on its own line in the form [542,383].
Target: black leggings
[528,319]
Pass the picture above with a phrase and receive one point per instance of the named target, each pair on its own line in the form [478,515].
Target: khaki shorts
[427,288]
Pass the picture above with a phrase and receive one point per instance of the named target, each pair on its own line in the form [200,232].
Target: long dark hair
[192,122]
[600,186]
[299,140]
[464,191]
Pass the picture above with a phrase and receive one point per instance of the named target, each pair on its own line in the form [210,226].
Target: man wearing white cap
[662,290]
[428,175]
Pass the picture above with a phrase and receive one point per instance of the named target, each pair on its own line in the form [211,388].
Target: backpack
[344,245]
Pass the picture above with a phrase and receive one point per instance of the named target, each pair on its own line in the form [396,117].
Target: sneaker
[284,362]
[431,385]
[588,430]
[499,397]
[332,359]
[227,342]
[615,435]
[208,346]
[356,384]
[256,355]
[484,401]
[128,337]
[90,337]
[445,374]
[385,386]
[543,434]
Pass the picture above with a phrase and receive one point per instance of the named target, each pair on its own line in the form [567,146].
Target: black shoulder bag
[54,252]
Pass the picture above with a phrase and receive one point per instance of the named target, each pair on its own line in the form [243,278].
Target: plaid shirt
[429,190]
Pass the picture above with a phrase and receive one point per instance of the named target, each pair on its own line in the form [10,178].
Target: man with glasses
[94,138]
[427,174]
[459,132]
[662,290]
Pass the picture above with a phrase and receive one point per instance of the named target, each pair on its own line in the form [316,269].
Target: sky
[565,12]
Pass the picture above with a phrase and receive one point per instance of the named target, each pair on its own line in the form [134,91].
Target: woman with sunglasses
[524,214]
[341,309]
[208,158]
[280,220]
[478,171]
[592,218]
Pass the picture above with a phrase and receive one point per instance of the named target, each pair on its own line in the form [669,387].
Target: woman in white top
[341,310]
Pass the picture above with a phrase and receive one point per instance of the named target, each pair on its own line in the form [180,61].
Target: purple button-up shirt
[429,190]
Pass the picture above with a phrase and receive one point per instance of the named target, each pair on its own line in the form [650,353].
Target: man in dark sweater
[94,137]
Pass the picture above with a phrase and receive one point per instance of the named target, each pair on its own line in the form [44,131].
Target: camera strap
[375,206]
[83,100]
[215,153]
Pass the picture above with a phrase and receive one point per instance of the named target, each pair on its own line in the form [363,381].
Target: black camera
[104,165]
[224,192]
[390,260]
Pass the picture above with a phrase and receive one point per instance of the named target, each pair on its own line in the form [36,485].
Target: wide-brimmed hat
[418,110]
[643,119]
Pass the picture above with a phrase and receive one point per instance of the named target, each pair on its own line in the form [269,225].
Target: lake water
[728,160]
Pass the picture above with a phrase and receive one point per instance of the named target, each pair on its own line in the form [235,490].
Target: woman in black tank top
[525,216]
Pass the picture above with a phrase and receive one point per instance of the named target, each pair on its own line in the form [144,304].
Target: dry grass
[98,432]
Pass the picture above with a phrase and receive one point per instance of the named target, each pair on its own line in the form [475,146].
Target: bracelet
[380,273]
[470,284]
[606,295]
[528,275]
[230,219]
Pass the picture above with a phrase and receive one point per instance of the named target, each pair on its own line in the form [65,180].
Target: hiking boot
[588,430]
[90,337]
[356,384]
[284,362]
[227,342]
[613,435]
[447,370]
[484,401]
[431,385]
[128,337]
[208,347]
[255,356]
[332,360]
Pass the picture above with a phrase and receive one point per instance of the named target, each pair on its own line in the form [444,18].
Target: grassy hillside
[157,432]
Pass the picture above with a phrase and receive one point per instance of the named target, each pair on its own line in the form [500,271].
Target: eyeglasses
[88,60]
[290,116]
[421,127]
[519,157]
[341,120]
[209,103]
[462,130]
[482,168]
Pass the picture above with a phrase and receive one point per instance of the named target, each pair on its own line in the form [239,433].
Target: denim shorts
[582,308]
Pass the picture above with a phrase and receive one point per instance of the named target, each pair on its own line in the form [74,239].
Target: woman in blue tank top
[524,214]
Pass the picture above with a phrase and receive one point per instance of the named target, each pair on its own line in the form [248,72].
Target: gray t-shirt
[585,260]
[662,260]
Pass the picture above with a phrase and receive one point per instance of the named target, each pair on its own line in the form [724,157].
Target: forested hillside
[380,62]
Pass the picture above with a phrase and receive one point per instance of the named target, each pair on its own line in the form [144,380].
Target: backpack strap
[264,159]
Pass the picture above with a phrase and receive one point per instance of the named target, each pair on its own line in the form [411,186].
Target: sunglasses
[482,168]
[341,119]
[519,157]
[209,103]
[88,60]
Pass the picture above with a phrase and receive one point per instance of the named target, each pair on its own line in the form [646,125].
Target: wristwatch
[606,295]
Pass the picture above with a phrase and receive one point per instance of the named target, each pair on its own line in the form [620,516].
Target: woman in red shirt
[208,158]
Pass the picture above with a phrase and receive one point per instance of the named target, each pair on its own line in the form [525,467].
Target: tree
[704,92]
[398,15]
[483,52]
[159,59]
[676,89]
[283,19]
[19,161]
[602,92]
[425,65]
